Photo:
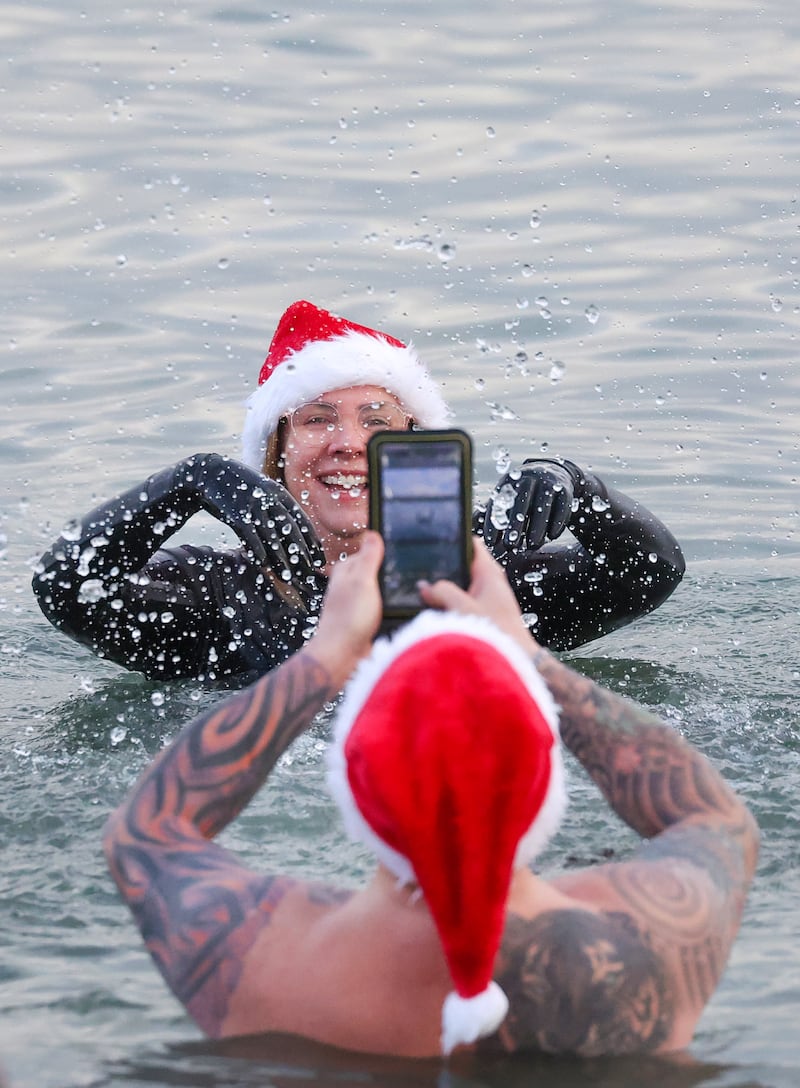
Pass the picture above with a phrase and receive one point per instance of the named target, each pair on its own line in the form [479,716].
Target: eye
[382,417]
[315,415]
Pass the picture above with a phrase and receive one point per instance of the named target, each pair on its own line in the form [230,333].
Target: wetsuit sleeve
[106,583]
[623,563]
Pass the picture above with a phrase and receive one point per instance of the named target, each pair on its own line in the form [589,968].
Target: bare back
[612,959]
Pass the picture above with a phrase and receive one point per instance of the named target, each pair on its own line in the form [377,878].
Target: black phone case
[447,531]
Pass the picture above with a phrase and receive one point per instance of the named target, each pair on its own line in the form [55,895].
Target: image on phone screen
[423,517]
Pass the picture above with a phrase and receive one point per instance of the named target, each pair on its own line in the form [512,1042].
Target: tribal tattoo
[648,774]
[614,981]
[198,909]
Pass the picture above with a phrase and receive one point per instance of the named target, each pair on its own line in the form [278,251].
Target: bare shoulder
[229,930]
[629,961]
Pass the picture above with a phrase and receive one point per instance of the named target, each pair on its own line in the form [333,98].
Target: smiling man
[297,502]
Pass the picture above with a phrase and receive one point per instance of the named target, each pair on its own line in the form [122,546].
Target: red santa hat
[315,352]
[446,762]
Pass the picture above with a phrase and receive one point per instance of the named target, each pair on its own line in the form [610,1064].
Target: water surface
[586,218]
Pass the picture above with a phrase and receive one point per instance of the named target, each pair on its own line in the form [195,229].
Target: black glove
[271,525]
[530,506]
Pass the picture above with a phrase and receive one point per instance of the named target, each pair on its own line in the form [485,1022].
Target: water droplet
[118,734]
[121,260]
[157,698]
[501,411]
[592,314]
[535,220]
[502,460]
[490,132]
[223,263]
[72,530]
[91,591]
[502,501]
[557,371]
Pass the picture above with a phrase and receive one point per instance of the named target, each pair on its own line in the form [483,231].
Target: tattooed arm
[622,957]
[200,910]
[631,959]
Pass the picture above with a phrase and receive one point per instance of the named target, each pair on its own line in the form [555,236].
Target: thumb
[446,596]
[371,550]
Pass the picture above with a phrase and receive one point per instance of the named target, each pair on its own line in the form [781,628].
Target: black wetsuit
[232,615]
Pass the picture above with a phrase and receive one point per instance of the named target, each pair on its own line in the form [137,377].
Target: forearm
[629,538]
[222,758]
[648,774]
[116,538]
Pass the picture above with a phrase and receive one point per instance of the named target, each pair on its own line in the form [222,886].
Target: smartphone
[420,501]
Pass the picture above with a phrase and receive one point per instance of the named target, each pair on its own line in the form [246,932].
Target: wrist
[336,658]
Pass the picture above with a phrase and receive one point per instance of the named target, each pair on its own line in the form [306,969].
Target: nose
[348,436]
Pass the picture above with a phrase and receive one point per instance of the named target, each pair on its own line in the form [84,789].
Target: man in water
[298,503]
[446,762]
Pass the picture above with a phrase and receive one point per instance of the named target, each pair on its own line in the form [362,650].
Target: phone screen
[420,501]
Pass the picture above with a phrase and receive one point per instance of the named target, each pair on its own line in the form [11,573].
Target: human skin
[612,959]
[327,473]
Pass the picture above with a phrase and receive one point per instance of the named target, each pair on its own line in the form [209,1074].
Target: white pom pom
[465,1019]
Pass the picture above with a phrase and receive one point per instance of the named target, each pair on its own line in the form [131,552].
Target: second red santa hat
[446,762]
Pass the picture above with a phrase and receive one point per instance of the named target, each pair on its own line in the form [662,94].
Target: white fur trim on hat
[321,366]
[465,1019]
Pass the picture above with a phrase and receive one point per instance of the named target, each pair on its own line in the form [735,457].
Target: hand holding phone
[420,500]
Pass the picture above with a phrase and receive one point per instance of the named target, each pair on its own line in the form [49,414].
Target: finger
[490,533]
[303,534]
[249,534]
[518,515]
[537,515]
[371,551]
[560,512]
[446,596]
[505,512]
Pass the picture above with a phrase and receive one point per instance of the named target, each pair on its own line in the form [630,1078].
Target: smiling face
[325,460]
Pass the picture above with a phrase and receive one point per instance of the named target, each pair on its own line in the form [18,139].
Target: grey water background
[585,215]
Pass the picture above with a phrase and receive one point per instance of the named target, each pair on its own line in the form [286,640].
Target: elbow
[45,588]
[110,838]
[674,560]
[751,842]
[660,576]
[112,843]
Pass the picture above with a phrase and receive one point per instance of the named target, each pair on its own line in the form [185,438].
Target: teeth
[346,483]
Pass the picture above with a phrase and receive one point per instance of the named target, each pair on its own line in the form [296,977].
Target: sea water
[585,216]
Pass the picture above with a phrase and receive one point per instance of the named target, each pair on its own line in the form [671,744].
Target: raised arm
[100,584]
[628,958]
[625,564]
[199,909]
[644,945]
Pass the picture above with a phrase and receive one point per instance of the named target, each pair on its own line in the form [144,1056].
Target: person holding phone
[297,501]
[446,763]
